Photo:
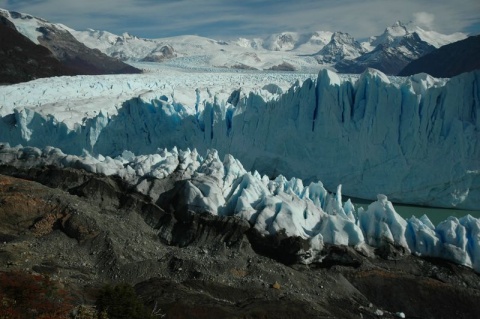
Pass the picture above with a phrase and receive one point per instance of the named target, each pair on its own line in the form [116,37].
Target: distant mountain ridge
[389,52]
[395,48]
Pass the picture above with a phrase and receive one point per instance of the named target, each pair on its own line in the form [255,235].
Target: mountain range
[389,52]
[49,50]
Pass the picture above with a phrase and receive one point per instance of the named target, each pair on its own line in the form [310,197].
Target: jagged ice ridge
[271,206]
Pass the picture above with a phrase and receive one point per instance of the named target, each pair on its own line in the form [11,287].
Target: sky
[227,19]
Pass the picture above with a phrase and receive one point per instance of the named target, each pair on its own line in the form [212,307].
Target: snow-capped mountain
[261,54]
[389,52]
[341,46]
[195,51]
[298,42]
[285,41]
[22,60]
[288,51]
[396,47]
[395,33]
[75,57]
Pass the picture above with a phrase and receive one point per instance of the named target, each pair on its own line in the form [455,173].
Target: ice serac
[381,223]
[374,134]
[186,183]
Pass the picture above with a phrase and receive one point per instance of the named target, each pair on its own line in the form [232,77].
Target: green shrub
[87,312]
[121,302]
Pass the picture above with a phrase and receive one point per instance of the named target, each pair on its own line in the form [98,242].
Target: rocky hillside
[87,230]
[449,60]
[22,60]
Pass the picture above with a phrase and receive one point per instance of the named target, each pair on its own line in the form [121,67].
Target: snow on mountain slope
[389,52]
[238,54]
[389,58]
[27,25]
[302,43]
[341,46]
[22,60]
[395,48]
[398,30]
[374,134]
[285,41]
[192,51]
[209,184]
[293,51]
[315,41]
[72,54]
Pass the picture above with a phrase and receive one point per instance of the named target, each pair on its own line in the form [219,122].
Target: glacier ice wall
[414,139]
[287,206]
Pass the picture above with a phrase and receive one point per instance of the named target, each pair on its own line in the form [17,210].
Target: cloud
[424,19]
[226,19]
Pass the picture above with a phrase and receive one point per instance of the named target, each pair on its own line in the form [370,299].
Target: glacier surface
[73,99]
[208,184]
[373,134]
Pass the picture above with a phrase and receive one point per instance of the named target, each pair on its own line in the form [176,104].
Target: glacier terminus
[371,133]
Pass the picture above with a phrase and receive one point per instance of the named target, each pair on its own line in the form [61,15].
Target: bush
[87,312]
[24,295]
[121,302]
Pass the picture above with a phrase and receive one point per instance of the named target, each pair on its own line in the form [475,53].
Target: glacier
[187,182]
[373,134]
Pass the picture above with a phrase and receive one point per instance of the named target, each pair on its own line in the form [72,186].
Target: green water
[436,215]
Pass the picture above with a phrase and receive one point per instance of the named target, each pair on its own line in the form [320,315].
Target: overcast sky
[224,19]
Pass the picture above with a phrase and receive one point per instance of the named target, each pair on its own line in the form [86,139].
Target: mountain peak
[341,46]
[398,29]
[399,23]
[342,37]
